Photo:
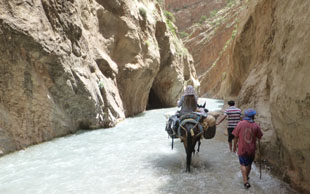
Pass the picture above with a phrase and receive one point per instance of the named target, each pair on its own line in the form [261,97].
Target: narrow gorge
[256,52]
[70,65]
[67,65]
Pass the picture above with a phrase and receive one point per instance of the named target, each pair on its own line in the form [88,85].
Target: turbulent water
[135,157]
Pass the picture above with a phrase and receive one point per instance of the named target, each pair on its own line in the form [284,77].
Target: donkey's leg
[188,160]
[198,145]
[189,152]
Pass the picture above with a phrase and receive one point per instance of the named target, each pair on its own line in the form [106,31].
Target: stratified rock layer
[211,45]
[189,12]
[67,65]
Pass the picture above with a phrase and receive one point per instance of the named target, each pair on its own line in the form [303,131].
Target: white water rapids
[135,157]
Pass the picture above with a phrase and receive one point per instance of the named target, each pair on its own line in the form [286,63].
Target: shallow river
[135,157]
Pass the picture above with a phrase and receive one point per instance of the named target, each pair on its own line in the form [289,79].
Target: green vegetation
[100,84]
[147,43]
[202,19]
[181,50]
[213,13]
[169,20]
[183,34]
[142,12]
[171,27]
[233,34]
[219,22]
[169,15]
[230,2]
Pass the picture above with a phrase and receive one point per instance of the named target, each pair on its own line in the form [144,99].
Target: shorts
[246,160]
[230,135]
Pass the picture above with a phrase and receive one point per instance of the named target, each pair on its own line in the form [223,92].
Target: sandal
[247,185]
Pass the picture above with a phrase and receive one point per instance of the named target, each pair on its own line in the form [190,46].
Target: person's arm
[236,132]
[224,117]
[181,101]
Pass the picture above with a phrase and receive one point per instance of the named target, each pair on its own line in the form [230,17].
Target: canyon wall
[211,45]
[256,52]
[67,65]
[208,36]
[189,12]
[270,72]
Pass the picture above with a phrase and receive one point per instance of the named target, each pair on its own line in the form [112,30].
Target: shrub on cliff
[142,12]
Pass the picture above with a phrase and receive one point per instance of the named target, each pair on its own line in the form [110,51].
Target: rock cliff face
[259,55]
[209,36]
[271,73]
[189,12]
[211,44]
[67,65]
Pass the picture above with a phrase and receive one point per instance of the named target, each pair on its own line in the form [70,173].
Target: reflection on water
[133,157]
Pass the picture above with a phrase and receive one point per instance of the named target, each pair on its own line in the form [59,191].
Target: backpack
[172,126]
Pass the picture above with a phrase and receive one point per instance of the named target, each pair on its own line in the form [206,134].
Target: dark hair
[231,103]
[189,104]
[190,101]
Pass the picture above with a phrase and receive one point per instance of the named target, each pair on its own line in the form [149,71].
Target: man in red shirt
[246,133]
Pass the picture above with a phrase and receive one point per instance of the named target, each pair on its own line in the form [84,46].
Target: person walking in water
[246,133]
[233,115]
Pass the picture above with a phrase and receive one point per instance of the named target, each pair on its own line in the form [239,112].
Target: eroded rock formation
[271,73]
[260,58]
[208,36]
[211,45]
[189,12]
[67,65]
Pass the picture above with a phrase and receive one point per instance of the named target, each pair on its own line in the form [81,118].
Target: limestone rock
[264,67]
[67,65]
[271,73]
[189,12]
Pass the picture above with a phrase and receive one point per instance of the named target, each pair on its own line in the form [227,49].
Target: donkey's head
[203,107]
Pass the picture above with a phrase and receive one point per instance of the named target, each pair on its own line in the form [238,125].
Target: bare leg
[248,168]
[230,146]
[244,172]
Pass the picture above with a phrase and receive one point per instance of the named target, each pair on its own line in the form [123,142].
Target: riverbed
[135,157]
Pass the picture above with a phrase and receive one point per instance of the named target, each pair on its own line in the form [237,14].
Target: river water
[135,157]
